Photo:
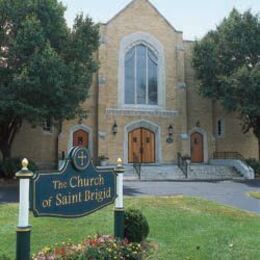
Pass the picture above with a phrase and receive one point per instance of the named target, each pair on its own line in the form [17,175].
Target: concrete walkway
[9,192]
[232,193]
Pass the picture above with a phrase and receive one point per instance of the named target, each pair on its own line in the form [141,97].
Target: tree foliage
[45,67]
[227,64]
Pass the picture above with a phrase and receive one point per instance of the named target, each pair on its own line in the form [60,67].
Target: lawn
[254,194]
[182,227]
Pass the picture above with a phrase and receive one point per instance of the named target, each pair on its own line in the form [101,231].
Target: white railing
[241,167]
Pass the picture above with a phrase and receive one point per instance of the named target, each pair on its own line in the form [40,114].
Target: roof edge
[189,41]
[121,11]
[155,9]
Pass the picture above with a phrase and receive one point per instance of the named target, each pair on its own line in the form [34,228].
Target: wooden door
[148,146]
[197,147]
[80,138]
[134,146]
[141,146]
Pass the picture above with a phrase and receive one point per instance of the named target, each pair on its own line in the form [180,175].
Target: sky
[193,17]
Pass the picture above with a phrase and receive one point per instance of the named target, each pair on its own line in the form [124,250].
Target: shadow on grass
[131,191]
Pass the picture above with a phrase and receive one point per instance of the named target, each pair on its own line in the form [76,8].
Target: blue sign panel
[77,190]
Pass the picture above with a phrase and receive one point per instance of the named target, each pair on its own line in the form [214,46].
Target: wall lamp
[115,128]
[170,130]
[169,139]
[198,123]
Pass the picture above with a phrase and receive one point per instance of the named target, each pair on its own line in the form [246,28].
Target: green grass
[183,228]
[254,194]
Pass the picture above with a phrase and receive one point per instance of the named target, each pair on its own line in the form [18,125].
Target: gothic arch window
[141,76]
[141,72]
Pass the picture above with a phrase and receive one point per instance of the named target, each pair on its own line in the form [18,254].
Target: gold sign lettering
[78,182]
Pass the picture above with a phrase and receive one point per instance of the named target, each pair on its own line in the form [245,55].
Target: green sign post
[77,190]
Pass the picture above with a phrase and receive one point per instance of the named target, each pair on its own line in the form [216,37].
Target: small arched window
[141,76]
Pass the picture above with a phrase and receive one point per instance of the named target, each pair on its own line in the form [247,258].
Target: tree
[227,64]
[45,67]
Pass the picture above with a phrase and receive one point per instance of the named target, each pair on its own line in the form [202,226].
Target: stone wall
[36,144]
[138,19]
[233,138]
[200,110]
[89,124]
[204,113]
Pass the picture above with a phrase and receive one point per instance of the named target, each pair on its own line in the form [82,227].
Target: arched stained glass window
[141,76]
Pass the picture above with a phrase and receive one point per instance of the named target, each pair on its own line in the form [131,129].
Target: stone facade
[179,104]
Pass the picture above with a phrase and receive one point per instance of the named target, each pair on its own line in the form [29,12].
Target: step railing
[183,164]
[236,161]
[228,156]
[137,165]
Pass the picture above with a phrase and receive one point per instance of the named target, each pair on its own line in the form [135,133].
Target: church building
[143,105]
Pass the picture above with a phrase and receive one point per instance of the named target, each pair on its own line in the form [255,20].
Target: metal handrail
[137,165]
[228,155]
[182,164]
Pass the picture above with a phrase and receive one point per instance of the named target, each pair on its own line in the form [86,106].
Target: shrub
[254,164]
[13,165]
[4,257]
[102,157]
[136,228]
[96,248]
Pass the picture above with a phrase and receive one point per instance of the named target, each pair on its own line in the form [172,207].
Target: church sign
[77,190]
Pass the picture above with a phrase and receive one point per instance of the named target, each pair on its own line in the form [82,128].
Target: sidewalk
[9,191]
[232,193]
[8,183]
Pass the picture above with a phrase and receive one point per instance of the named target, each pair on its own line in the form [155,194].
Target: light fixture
[169,139]
[114,128]
[170,130]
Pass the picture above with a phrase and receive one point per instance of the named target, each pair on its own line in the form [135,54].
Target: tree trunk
[6,151]
[8,132]
[258,149]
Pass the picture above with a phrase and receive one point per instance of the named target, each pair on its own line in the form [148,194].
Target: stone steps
[212,172]
[173,172]
[155,172]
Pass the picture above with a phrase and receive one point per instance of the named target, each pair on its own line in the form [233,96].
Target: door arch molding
[205,141]
[141,146]
[156,129]
[84,128]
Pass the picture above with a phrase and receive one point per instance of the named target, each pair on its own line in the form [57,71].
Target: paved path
[225,192]
[231,193]
[9,194]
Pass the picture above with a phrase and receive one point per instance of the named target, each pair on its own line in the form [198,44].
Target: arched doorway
[141,146]
[80,138]
[197,149]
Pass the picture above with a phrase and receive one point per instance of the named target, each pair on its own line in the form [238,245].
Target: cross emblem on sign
[82,158]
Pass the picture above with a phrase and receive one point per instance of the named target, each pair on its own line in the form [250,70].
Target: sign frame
[72,169]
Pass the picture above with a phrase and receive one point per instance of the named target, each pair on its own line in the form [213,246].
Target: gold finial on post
[119,162]
[119,166]
[25,164]
[24,173]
